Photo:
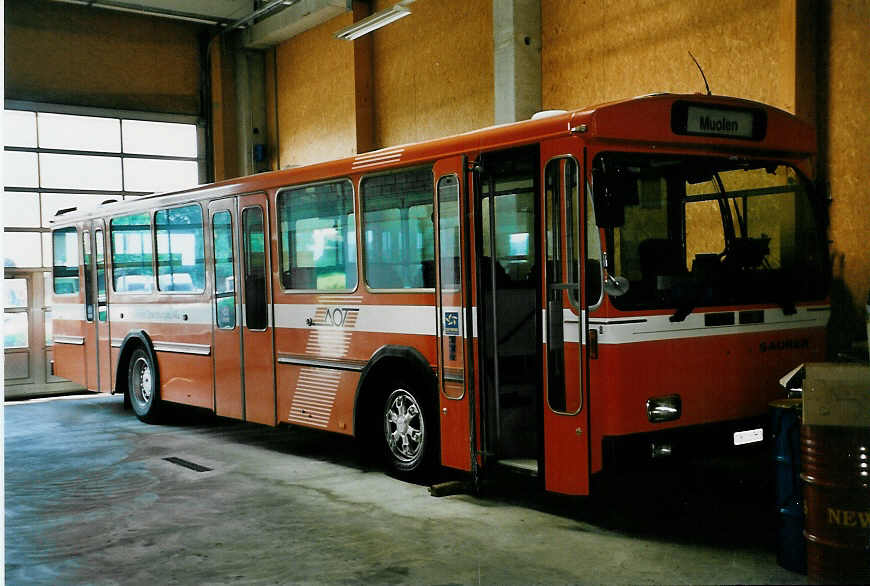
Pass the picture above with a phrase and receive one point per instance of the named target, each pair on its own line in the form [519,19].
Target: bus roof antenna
[704,77]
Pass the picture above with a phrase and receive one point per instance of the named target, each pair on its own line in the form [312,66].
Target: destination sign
[721,122]
[703,120]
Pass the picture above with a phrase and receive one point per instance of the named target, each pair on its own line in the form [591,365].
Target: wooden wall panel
[68,54]
[847,148]
[316,97]
[433,71]
[595,51]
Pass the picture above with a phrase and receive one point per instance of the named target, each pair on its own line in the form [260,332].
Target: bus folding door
[454,322]
[565,366]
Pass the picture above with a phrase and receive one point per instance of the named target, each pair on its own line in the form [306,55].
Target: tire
[410,436]
[143,387]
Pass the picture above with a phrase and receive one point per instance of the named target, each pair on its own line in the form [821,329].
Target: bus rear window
[132,254]
[318,237]
[66,261]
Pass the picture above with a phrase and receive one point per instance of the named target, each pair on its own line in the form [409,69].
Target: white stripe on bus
[197,313]
[332,340]
[659,327]
[381,319]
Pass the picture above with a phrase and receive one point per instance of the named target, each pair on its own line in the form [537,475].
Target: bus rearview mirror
[610,192]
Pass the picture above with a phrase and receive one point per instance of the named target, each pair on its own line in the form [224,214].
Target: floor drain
[192,465]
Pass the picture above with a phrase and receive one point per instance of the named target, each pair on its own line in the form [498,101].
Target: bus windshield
[699,231]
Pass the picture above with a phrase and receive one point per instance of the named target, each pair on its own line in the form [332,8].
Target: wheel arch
[390,361]
[134,339]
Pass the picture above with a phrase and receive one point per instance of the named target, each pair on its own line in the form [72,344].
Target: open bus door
[565,366]
[455,386]
[530,362]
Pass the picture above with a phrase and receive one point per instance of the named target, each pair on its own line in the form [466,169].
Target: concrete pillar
[517,59]
[259,129]
[243,112]
[250,80]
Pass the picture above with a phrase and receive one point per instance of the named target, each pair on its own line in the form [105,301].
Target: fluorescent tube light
[374,22]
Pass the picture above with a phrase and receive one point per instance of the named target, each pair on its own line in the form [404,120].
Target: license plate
[750,436]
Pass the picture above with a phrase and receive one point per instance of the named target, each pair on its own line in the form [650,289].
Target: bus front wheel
[142,386]
[408,430]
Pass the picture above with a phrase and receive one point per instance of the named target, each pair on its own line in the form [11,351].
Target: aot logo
[336,317]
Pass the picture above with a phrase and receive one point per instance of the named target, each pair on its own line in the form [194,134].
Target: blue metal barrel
[785,425]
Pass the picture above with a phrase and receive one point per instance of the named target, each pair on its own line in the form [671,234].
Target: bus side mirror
[610,192]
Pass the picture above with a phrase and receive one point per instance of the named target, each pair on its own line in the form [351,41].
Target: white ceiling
[223,9]
[270,27]
[211,11]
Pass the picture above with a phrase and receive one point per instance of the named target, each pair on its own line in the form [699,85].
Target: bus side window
[89,281]
[100,256]
[65,271]
[253,252]
[593,255]
[224,270]
[317,237]
[180,253]
[132,254]
[399,232]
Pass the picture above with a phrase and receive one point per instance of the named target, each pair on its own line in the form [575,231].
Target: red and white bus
[554,295]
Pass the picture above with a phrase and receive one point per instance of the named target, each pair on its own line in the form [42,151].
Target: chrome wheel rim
[403,426]
[143,383]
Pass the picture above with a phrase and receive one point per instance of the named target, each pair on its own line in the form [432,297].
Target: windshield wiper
[682,312]
[689,300]
[784,296]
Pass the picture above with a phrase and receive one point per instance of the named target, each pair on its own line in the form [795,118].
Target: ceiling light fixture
[375,21]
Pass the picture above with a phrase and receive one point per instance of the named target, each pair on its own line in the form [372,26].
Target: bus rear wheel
[408,431]
[142,386]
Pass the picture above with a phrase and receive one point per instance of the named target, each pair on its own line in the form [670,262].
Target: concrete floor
[90,499]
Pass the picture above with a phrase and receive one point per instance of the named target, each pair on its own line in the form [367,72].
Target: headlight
[660,409]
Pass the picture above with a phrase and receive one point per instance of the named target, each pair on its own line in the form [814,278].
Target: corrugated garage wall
[67,54]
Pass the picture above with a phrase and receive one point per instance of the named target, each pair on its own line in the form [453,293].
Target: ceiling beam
[302,16]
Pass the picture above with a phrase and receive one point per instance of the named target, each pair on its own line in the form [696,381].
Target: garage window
[58,157]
